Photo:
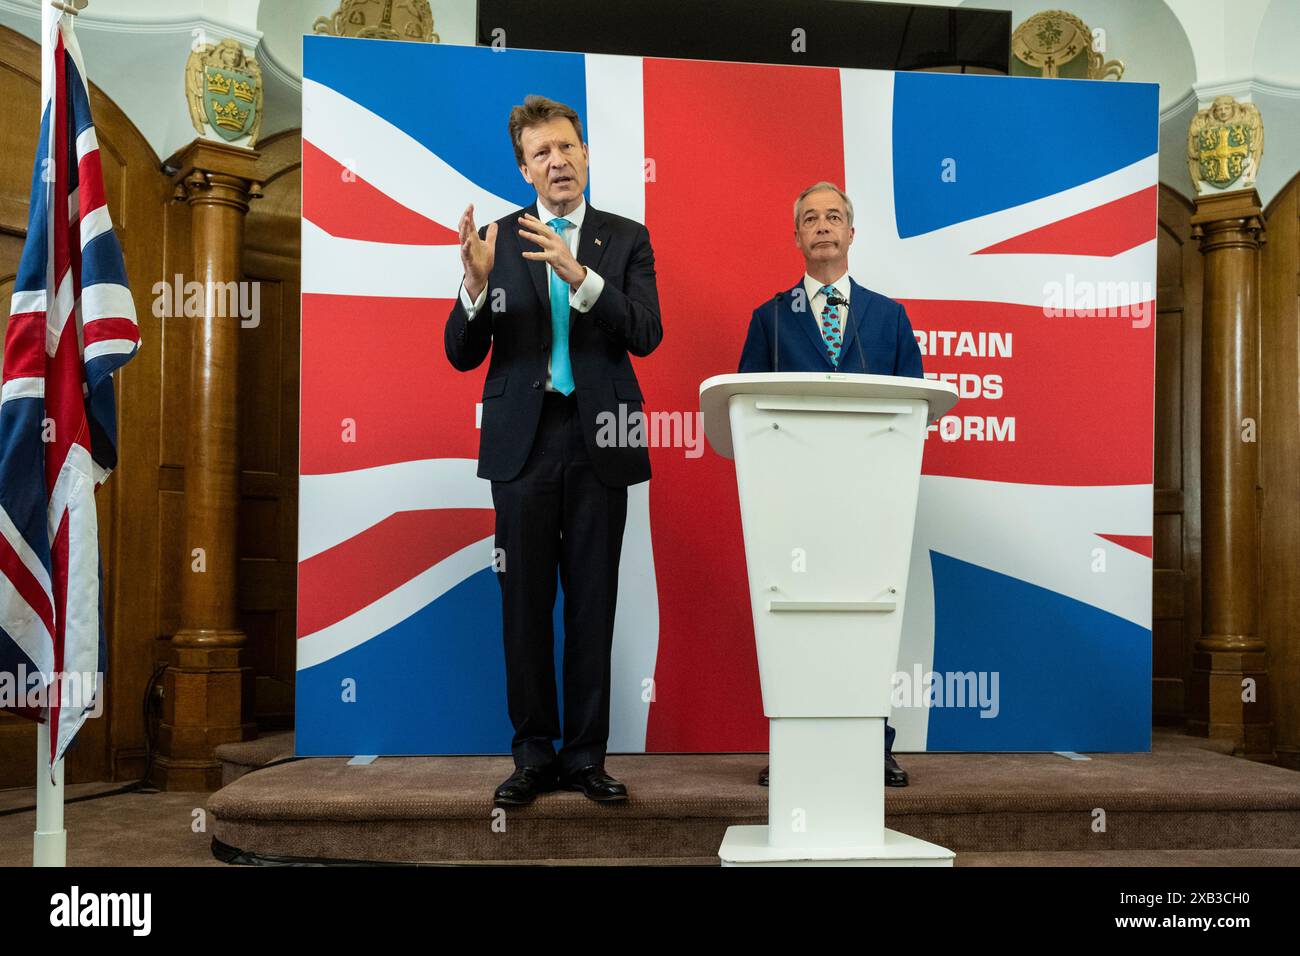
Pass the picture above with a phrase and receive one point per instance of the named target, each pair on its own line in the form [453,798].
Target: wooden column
[207,692]
[1230,651]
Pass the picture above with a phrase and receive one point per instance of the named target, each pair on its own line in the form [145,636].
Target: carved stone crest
[1053,41]
[1225,144]
[223,86]
[380,20]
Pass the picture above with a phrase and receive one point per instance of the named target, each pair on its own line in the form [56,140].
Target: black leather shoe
[595,784]
[762,777]
[895,776]
[523,786]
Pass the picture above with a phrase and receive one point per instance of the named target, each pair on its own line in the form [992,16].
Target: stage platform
[1185,803]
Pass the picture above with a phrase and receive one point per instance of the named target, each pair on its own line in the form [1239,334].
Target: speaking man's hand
[554,250]
[476,255]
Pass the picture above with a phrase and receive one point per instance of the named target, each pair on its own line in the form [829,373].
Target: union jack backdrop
[71,325]
[1014,218]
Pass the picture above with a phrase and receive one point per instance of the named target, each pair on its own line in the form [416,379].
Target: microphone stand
[836,301]
[776,331]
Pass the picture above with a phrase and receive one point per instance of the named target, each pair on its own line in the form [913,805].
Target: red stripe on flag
[13,569]
[90,184]
[345,205]
[1140,543]
[25,346]
[779,129]
[103,330]
[348,577]
[1054,421]
[377,387]
[59,580]
[1105,231]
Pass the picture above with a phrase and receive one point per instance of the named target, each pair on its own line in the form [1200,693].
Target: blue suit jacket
[877,337]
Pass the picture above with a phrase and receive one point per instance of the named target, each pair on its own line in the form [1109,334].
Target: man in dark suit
[829,323]
[560,294]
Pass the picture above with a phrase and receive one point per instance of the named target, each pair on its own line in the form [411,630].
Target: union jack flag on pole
[72,323]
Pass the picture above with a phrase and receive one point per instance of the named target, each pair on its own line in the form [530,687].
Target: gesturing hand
[554,250]
[476,255]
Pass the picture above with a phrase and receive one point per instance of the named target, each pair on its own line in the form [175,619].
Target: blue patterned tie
[561,370]
[830,327]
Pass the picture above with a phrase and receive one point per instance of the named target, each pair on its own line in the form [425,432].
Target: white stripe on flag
[395,606]
[57,316]
[385,156]
[336,507]
[106,300]
[27,303]
[95,223]
[333,266]
[31,387]
[73,46]
[81,622]
[616,133]
[108,347]
[87,142]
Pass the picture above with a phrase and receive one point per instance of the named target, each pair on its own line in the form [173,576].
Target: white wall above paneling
[139,60]
[136,51]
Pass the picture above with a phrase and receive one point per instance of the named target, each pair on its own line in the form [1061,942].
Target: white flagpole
[50,840]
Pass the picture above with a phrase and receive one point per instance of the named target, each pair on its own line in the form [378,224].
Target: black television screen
[844,33]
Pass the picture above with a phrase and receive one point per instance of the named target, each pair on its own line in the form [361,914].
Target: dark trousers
[557,517]
[889,739]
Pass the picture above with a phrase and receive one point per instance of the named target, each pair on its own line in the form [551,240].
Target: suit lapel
[852,324]
[594,238]
[808,321]
[592,243]
[536,267]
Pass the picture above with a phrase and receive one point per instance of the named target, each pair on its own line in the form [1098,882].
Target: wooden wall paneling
[1176,601]
[269,366]
[1279,601]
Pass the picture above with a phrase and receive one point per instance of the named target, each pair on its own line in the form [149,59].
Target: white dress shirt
[581,298]
[817,301]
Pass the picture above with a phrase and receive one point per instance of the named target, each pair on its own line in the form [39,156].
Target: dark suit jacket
[877,337]
[624,319]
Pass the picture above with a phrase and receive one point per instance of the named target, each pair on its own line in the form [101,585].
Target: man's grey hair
[815,187]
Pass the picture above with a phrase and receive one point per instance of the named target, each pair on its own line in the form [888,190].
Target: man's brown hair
[535,111]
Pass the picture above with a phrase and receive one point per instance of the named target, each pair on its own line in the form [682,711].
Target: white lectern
[828,466]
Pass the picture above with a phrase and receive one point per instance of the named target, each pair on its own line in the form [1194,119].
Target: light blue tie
[830,327]
[561,370]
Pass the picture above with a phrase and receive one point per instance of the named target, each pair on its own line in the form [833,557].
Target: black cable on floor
[150,742]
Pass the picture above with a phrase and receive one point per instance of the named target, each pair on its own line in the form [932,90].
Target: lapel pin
[597,242]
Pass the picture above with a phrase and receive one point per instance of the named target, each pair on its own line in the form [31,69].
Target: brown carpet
[238,759]
[139,829]
[1182,796]
[158,829]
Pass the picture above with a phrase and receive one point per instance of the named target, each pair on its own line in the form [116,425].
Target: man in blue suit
[829,323]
